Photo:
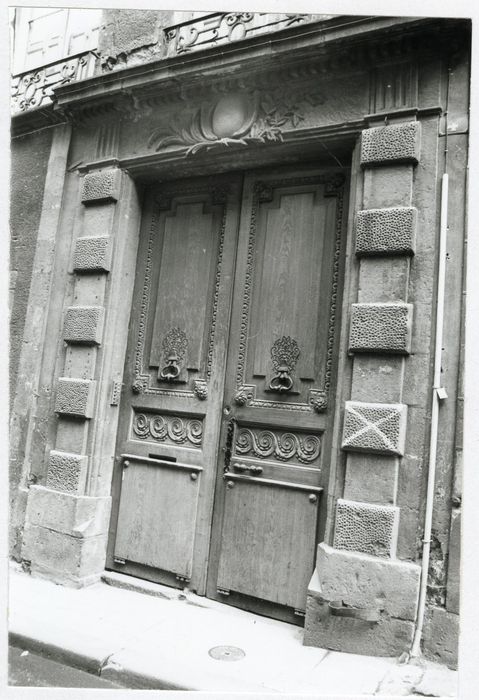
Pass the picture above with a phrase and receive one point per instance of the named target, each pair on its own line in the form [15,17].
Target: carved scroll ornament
[283,446]
[162,428]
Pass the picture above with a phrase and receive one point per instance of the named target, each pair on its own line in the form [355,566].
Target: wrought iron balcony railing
[224,27]
[33,89]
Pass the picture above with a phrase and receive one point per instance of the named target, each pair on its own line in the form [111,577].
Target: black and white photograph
[241,256]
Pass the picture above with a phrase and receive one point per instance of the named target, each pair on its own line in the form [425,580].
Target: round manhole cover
[226,653]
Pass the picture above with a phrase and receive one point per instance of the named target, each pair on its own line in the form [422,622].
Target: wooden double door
[226,410]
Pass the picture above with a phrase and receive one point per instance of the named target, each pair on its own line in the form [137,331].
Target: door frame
[146,179]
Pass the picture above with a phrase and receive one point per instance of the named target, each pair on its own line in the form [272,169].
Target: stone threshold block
[67,471]
[83,325]
[101,186]
[75,397]
[362,583]
[366,527]
[66,513]
[92,254]
[73,561]
[384,328]
[379,428]
[389,231]
[395,143]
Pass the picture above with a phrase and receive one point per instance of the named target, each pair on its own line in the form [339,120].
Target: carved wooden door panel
[173,384]
[277,414]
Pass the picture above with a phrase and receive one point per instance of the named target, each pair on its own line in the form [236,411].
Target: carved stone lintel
[201,389]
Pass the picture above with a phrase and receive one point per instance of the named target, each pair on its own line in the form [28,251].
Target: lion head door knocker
[174,347]
[284,355]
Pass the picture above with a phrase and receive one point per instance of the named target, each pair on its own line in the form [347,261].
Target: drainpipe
[438,395]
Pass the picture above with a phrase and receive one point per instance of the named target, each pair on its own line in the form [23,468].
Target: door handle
[238,467]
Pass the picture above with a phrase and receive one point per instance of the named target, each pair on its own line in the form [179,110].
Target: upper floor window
[44,35]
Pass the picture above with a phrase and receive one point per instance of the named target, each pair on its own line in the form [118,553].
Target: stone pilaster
[70,547]
[353,604]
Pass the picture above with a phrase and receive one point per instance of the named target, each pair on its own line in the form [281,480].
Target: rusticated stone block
[387,637]
[364,581]
[69,513]
[381,328]
[365,527]
[101,186]
[75,397]
[92,253]
[393,143]
[67,471]
[389,231]
[83,324]
[374,427]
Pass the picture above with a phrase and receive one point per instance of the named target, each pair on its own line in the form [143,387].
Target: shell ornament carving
[237,118]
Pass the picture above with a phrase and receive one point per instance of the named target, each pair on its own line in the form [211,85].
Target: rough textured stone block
[381,328]
[63,558]
[67,471]
[389,231]
[365,527]
[387,637]
[83,324]
[92,253]
[102,186]
[374,427]
[77,516]
[75,397]
[393,143]
[364,581]
[441,636]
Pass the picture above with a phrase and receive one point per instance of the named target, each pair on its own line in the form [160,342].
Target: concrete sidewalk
[163,640]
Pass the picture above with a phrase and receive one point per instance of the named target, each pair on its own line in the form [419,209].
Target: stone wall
[29,158]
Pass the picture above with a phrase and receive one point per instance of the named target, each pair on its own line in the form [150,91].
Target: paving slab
[146,636]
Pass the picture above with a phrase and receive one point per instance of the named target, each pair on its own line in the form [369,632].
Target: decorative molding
[381,328]
[141,383]
[101,186]
[75,397]
[200,387]
[115,395]
[264,192]
[92,254]
[365,527]
[284,446]
[374,427]
[389,231]
[236,118]
[318,400]
[66,472]
[394,86]
[167,428]
[394,143]
[83,325]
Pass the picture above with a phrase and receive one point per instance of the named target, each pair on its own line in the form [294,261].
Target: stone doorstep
[128,649]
